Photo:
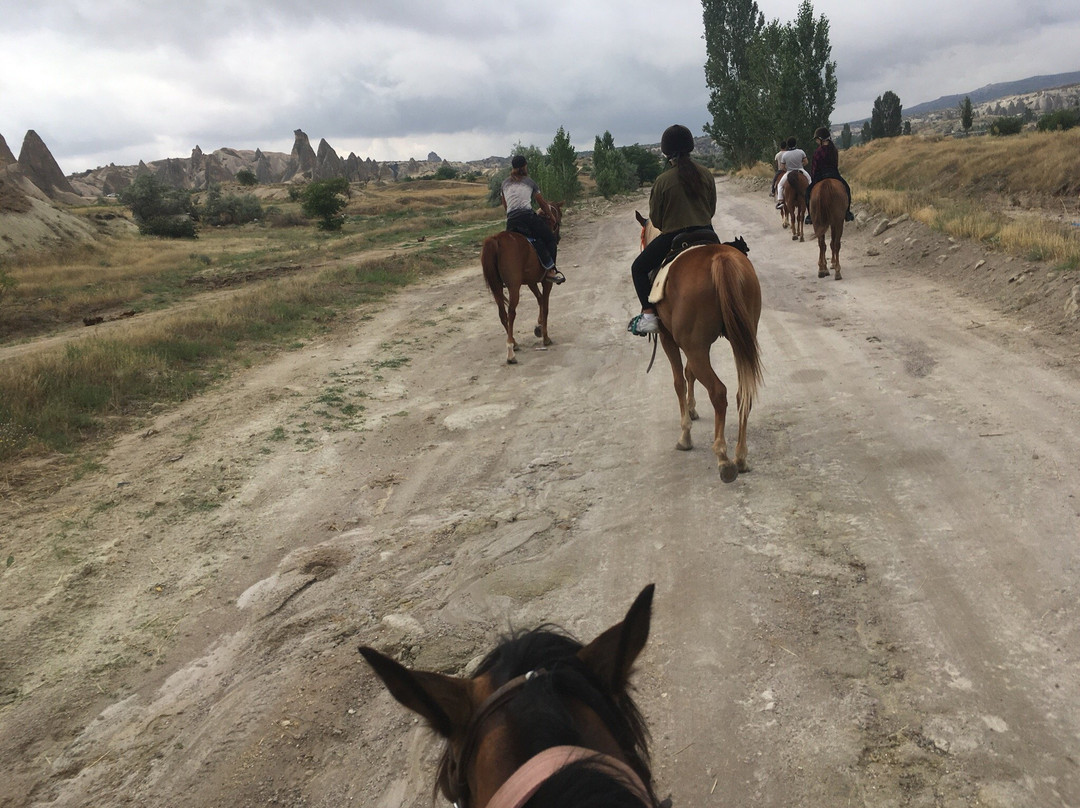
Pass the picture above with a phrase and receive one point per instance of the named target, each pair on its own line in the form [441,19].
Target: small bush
[169,227]
[446,172]
[1062,119]
[1007,126]
[246,177]
[231,209]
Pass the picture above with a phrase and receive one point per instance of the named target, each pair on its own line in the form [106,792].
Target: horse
[544,719]
[795,203]
[712,291]
[509,261]
[828,206]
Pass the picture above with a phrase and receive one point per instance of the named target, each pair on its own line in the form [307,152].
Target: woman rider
[518,192]
[682,198]
[825,165]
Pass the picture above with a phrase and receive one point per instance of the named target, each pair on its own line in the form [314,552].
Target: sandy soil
[882,613]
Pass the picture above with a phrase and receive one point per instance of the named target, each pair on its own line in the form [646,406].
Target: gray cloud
[122,80]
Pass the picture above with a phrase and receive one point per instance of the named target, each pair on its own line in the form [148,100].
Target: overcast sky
[118,81]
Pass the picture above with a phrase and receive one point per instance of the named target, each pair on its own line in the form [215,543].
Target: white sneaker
[645,323]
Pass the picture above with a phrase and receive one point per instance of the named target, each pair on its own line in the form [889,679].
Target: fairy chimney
[38,165]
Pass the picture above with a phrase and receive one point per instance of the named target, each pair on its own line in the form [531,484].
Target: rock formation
[6,157]
[38,165]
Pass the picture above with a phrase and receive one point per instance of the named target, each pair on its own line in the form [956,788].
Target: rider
[518,192]
[826,164]
[779,161]
[793,160]
[682,198]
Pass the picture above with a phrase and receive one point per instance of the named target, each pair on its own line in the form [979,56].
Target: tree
[611,170]
[732,27]
[807,51]
[646,164]
[765,80]
[325,199]
[159,209]
[966,113]
[845,136]
[246,177]
[866,135]
[886,119]
[219,209]
[907,127]
[562,180]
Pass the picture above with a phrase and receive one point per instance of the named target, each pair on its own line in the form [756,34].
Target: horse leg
[835,245]
[543,298]
[822,269]
[691,402]
[698,359]
[514,294]
[684,443]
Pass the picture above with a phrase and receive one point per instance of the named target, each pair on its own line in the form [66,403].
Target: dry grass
[1014,193]
[56,400]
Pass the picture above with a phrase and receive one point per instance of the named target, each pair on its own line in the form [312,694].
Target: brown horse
[712,291]
[828,206]
[509,261]
[794,209]
[544,719]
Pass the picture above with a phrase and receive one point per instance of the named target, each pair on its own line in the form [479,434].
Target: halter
[531,775]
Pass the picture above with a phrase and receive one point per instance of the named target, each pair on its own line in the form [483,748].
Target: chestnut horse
[544,719]
[711,291]
[828,206]
[795,203]
[509,262]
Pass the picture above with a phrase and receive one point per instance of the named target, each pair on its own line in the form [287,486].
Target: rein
[531,775]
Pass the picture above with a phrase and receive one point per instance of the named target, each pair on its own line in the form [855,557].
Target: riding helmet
[822,133]
[676,139]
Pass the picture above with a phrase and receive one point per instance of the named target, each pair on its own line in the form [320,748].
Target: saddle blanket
[657,292]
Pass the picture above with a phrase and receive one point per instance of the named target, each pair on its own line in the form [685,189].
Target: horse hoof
[785,225]
[728,472]
[823,273]
[837,276]
[537,332]
[684,447]
[693,415]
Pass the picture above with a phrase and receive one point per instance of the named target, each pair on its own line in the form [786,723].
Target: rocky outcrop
[327,164]
[38,166]
[6,157]
[303,160]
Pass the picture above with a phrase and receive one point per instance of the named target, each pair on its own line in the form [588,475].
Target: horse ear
[444,701]
[611,655]
[641,219]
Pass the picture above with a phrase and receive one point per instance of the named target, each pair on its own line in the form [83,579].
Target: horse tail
[739,294]
[489,261]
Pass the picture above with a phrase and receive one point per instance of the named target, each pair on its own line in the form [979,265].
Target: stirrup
[555,276]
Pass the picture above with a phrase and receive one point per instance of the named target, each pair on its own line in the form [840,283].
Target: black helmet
[676,139]
[822,133]
[519,161]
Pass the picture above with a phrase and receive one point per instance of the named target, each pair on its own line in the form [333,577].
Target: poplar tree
[731,29]
[967,114]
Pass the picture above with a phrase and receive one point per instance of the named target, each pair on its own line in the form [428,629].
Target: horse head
[542,714]
[554,221]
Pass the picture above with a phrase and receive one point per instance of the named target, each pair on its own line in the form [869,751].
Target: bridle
[532,774]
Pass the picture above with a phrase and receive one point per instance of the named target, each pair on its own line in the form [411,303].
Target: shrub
[159,209]
[1061,119]
[231,209]
[324,200]
[446,172]
[246,177]
[1007,126]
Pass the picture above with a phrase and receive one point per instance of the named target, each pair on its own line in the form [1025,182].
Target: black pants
[532,226]
[650,259]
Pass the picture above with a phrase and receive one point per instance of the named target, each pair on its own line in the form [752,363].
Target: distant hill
[992,92]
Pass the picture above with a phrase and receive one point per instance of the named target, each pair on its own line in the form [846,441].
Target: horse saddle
[690,238]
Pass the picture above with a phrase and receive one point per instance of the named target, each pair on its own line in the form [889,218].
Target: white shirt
[793,159]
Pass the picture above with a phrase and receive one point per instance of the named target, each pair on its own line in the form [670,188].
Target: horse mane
[541,703]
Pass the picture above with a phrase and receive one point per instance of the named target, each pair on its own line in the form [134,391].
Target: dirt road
[882,613]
